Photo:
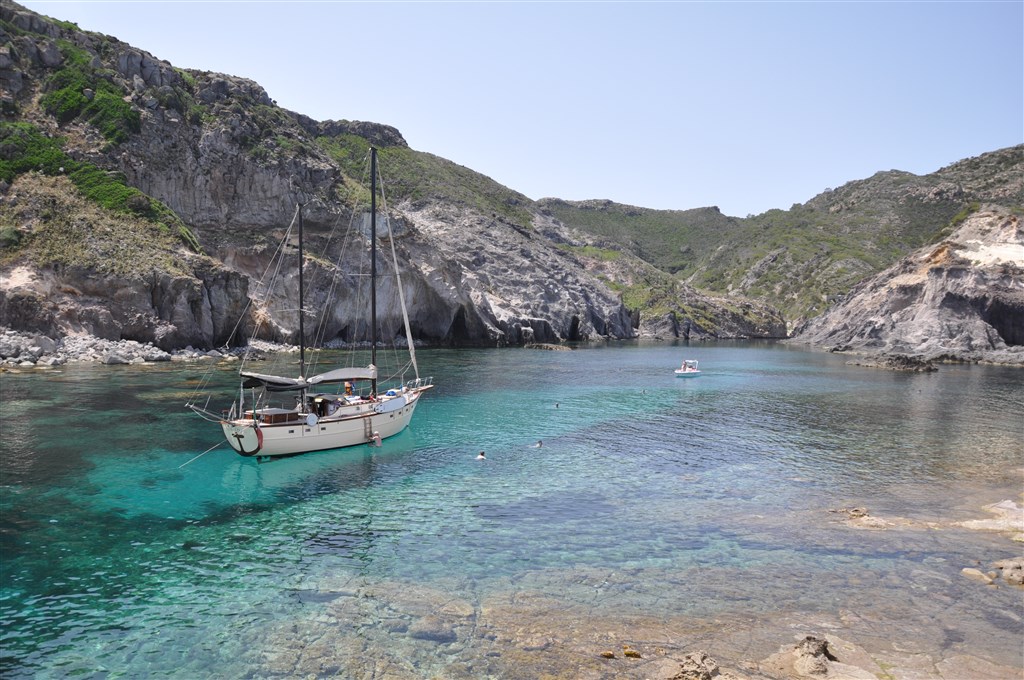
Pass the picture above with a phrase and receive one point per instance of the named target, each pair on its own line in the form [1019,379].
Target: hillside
[140,201]
[962,298]
[799,259]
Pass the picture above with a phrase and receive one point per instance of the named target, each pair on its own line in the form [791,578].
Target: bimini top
[276,383]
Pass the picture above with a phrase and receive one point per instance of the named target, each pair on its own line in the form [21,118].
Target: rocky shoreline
[27,350]
[34,350]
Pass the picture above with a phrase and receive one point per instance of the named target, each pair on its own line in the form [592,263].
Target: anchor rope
[202,454]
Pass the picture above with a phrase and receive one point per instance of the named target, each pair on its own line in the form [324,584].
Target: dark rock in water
[547,346]
[313,596]
[896,362]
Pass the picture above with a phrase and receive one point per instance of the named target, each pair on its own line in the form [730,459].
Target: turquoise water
[651,495]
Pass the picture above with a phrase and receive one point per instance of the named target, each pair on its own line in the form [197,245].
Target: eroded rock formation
[960,299]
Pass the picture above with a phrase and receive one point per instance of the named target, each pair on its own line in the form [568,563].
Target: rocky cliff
[142,202]
[959,299]
[210,158]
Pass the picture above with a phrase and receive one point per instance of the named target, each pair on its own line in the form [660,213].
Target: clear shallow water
[652,495]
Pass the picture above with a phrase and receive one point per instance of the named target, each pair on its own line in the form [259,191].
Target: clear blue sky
[673,105]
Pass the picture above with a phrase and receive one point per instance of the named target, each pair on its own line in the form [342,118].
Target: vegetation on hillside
[77,90]
[52,226]
[417,176]
[23,149]
[797,260]
[801,259]
[669,239]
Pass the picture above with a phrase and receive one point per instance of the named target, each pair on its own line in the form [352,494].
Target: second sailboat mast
[373,264]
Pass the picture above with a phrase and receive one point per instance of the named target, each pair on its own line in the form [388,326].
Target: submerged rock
[1008,517]
[896,362]
[1011,570]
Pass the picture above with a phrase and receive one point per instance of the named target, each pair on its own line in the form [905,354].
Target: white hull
[688,369]
[352,425]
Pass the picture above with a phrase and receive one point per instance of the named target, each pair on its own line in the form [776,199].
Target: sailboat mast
[373,264]
[302,329]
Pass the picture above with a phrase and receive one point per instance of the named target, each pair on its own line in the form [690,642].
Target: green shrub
[10,237]
[23,148]
[966,212]
[66,100]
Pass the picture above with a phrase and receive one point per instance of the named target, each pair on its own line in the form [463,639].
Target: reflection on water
[653,495]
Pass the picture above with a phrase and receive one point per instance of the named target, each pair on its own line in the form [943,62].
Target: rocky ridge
[485,265]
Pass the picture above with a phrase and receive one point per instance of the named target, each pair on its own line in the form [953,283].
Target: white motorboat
[688,369]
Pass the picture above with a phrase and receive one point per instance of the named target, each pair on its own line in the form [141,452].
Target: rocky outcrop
[479,278]
[167,311]
[961,299]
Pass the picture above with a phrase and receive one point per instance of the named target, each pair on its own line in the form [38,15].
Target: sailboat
[340,407]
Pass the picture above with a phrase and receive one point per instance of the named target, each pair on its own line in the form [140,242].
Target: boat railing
[420,382]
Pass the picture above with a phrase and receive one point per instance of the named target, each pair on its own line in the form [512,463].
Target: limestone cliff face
[962,298]
[507,284]
[170,312]
[466,279]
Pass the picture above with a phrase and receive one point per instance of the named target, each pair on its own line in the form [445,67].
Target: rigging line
[320,331]
[398,281]
[262,290]
[358,295]
[201,454]
[264,286]
[336,270]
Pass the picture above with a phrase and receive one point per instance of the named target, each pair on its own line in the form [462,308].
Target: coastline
[28,350]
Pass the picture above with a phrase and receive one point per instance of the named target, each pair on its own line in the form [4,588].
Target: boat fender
[312,420]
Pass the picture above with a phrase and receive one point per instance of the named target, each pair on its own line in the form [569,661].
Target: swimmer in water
[539,444]
[481,456]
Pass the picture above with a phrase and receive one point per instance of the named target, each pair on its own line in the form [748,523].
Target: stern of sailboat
[245,437]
